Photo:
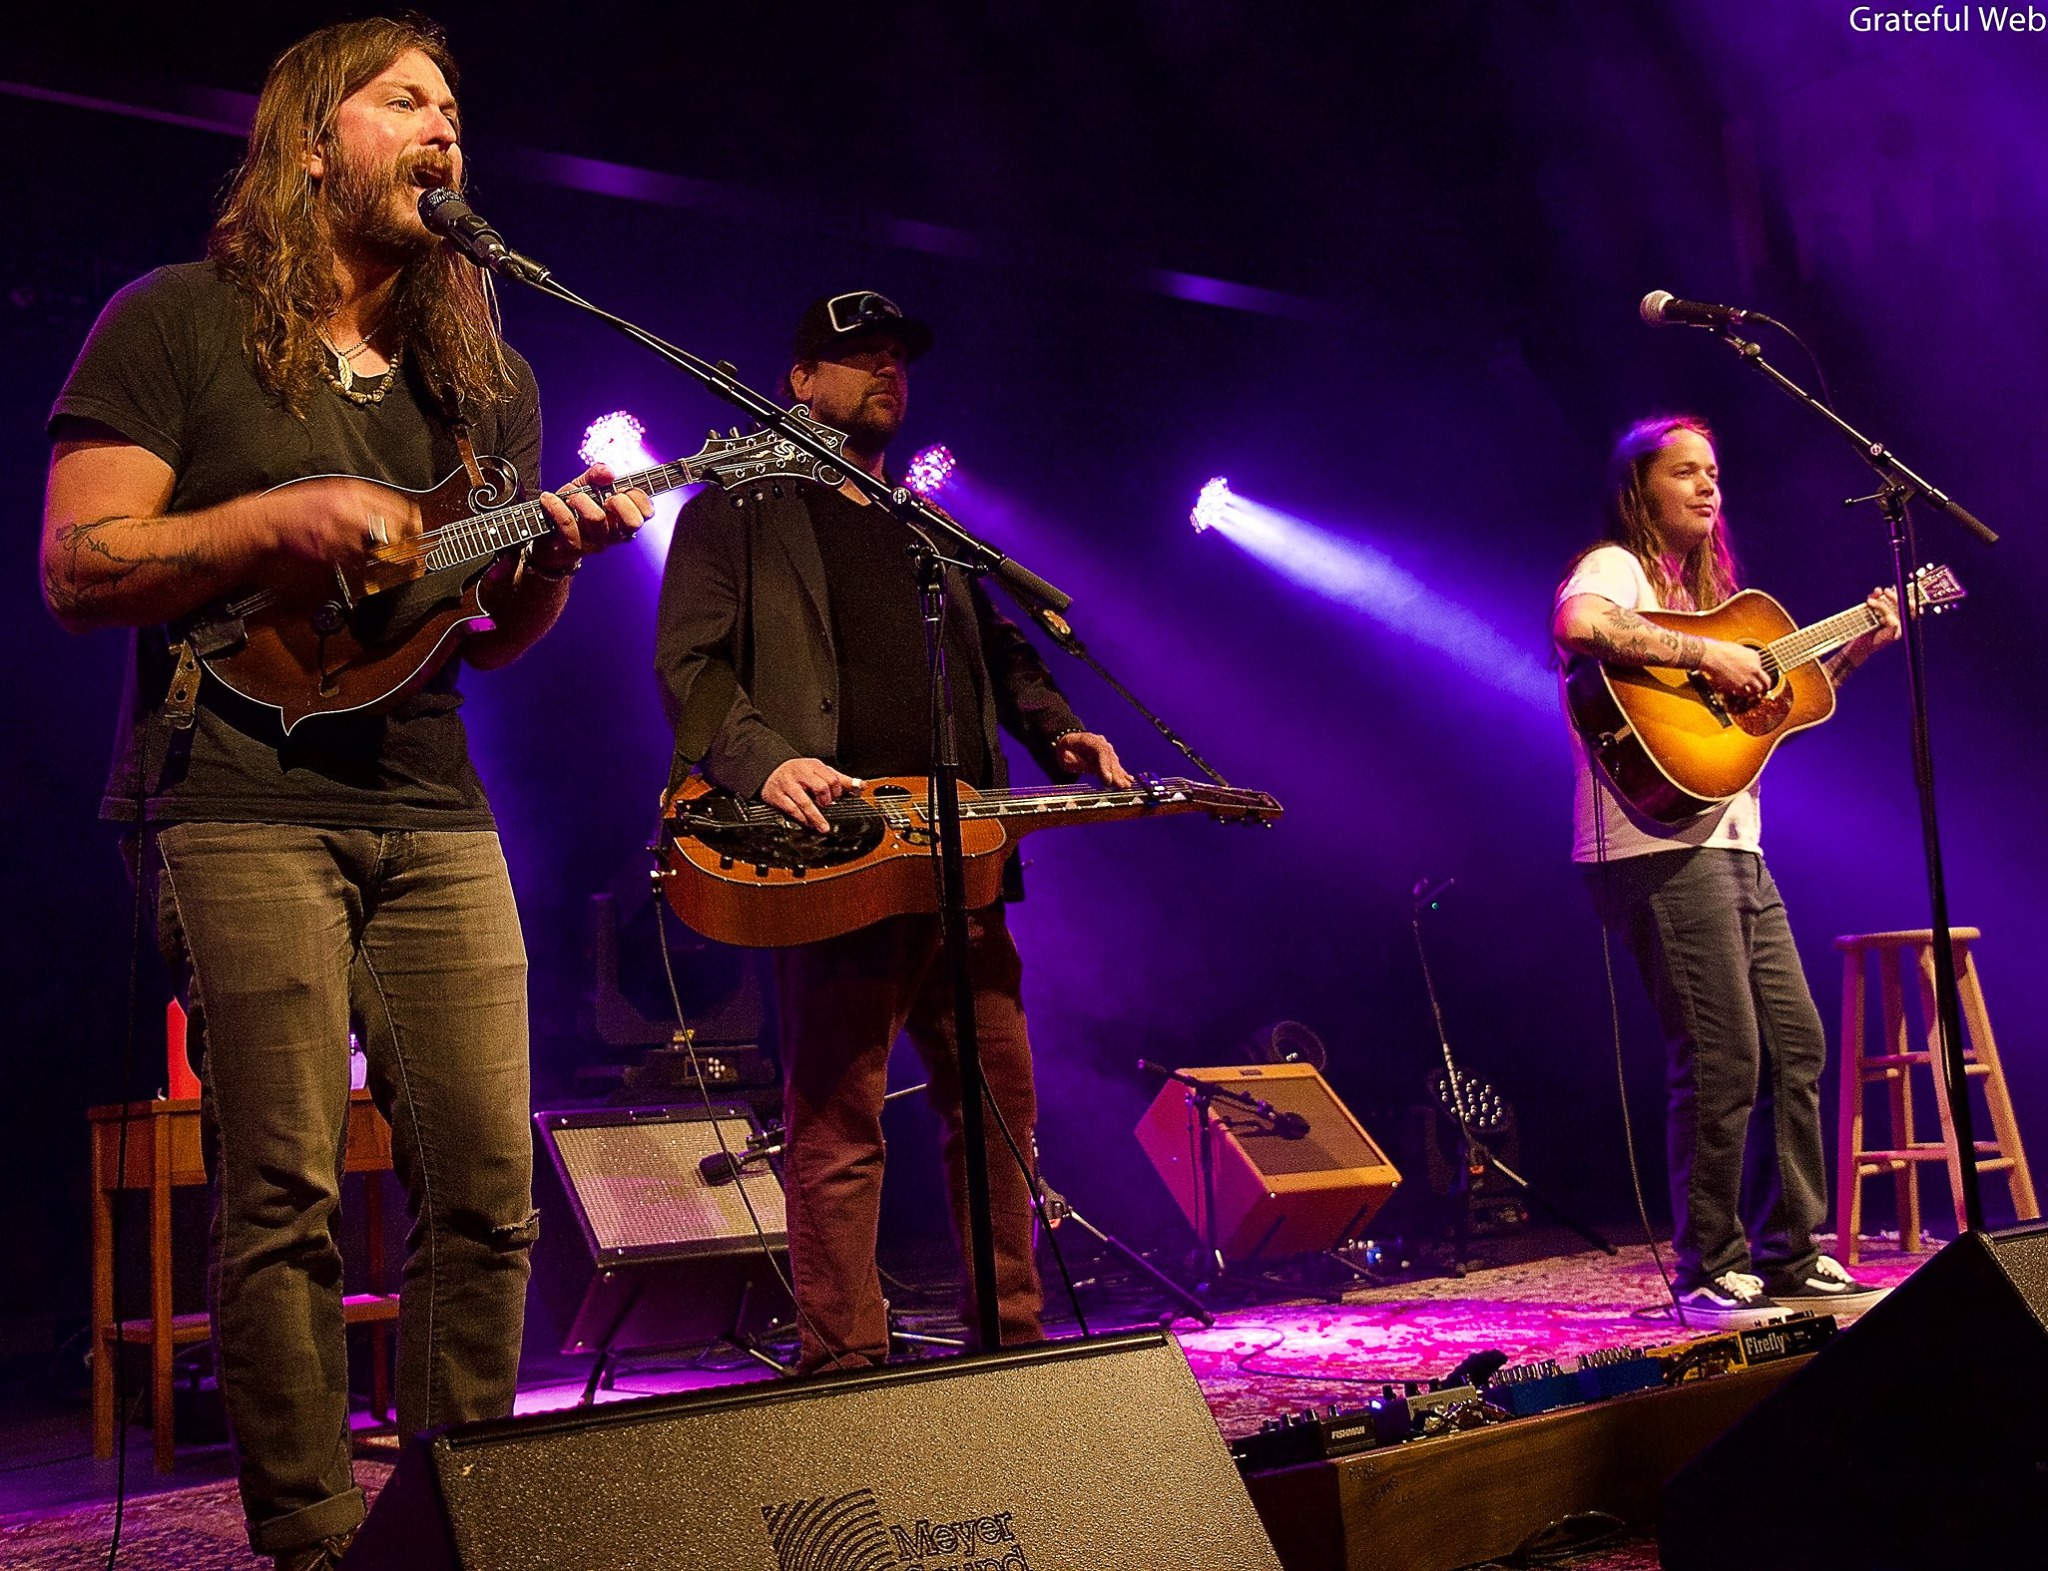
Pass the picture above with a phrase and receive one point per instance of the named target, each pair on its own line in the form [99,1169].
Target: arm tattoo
[1625,638]
[85,568]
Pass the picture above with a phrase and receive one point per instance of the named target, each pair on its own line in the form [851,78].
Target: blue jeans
[1744,1051]
[283,934]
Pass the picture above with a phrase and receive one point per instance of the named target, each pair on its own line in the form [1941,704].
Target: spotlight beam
[1366,579]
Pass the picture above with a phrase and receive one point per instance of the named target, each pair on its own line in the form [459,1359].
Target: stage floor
[1256,1362]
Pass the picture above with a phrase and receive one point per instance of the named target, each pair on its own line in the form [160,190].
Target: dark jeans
[285,933]
[843,1003]
[1744,1051]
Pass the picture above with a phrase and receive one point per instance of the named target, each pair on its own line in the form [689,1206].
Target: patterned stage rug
[196,1529]
[1254,1364]
[1261,1363]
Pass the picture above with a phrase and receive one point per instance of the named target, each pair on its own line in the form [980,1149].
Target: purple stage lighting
[930,470]
[619,439]
[1353,573]
[1210,503]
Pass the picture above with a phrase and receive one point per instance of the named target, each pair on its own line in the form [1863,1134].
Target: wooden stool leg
[1899,1091]
[2005,1130]
[1849,1121]
[105,1349]
[1925,956]
[380,1331]
[160,1314]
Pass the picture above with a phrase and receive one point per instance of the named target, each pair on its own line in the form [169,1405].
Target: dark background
[1427,227]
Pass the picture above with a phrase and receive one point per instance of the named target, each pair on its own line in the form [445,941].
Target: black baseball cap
[836,319]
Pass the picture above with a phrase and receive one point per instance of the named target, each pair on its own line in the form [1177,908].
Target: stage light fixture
[620,440]
[1210,504]
[931,470]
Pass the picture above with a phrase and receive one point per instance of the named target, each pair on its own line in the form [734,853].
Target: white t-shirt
[1613,573]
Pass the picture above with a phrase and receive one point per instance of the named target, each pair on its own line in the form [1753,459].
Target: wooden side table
[163,1154]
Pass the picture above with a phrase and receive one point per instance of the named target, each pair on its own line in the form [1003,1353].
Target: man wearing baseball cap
[792,658]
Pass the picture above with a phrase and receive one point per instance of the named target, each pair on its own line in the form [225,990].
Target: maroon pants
[843,1004]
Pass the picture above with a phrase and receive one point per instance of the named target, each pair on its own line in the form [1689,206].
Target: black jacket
[744,654]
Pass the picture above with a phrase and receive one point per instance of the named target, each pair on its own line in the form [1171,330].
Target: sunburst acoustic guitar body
[1672,745]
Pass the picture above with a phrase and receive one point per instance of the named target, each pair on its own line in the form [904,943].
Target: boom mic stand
[1456,1103]
[1897,486]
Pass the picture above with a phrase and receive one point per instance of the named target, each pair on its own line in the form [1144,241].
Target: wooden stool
[163,1154]
[1891,954]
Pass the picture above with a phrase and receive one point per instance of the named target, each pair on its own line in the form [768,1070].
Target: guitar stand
[1474,1156]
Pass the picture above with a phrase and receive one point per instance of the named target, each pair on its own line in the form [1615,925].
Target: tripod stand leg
[1166,1284]
[1537,1198]
[606,1358]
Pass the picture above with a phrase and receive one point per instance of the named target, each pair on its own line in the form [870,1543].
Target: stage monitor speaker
[1062,1454]
[667,1257]
[1275,1195]
[1915,1439]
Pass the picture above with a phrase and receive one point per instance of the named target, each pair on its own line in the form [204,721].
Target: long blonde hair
[271,242]
[1709,573]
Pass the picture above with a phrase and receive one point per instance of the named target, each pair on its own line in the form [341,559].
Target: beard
[373,209]
[874,422]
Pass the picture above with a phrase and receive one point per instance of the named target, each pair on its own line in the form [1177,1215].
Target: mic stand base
[1190,1305]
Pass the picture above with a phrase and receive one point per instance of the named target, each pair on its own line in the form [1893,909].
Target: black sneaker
[1824,1285]
[1732,1299]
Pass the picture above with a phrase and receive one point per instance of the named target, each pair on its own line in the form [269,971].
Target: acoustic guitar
[370,638]
[1673,746]
[740,872]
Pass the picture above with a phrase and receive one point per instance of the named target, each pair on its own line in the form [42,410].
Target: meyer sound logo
[847,1533]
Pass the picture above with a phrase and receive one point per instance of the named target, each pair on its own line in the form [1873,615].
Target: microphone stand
[1474,1155]
[960,548]
[1897,486]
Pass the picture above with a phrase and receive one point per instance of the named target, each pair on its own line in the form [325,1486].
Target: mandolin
[740,872]
[369,639]
[1673,746]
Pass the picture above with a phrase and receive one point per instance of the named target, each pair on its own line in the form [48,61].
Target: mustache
[432,163]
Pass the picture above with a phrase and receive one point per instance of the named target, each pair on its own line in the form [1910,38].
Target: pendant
[345,376]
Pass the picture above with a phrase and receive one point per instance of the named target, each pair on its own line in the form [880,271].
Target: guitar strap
[467,449]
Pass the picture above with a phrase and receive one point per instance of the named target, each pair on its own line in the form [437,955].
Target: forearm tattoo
[1619,635]
[88,566]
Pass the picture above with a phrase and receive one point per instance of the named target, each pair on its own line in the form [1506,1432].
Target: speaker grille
[1332,1140]
[639,1184]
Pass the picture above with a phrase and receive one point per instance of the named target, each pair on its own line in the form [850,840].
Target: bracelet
[530,560]
[1077,731]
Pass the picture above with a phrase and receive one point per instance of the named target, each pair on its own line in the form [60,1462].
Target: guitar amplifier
[661,1256]
[1275,1194]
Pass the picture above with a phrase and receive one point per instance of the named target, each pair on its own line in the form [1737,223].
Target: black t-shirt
[166,368]
[878,636]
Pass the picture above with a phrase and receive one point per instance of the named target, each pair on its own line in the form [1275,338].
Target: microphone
[463,227]
[720,1167]
[1661,308]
